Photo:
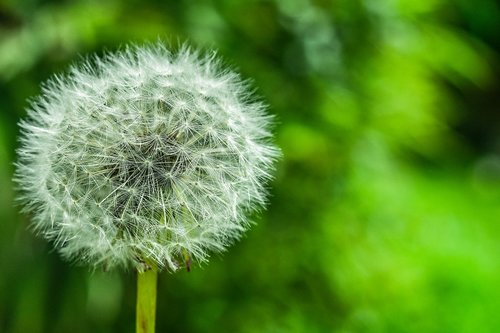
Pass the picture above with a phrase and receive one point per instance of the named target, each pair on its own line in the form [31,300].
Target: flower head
[144,156]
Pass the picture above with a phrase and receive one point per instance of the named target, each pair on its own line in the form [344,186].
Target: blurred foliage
[384,213]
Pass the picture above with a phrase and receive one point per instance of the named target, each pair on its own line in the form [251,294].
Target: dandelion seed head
[144,155]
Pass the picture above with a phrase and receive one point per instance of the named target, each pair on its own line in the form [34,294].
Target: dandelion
[144,158]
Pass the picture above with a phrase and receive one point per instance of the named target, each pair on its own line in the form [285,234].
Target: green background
[384,215]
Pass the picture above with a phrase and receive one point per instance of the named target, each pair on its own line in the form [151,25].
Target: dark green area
[384,214]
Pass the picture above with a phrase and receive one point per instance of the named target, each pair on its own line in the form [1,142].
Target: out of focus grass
[384,214]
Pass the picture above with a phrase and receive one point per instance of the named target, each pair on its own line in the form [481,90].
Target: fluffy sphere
[144,156]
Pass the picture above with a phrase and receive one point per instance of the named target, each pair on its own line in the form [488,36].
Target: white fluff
[144,156]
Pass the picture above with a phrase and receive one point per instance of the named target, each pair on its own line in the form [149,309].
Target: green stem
[146,301]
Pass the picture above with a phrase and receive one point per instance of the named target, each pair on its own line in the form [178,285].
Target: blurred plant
[144,158]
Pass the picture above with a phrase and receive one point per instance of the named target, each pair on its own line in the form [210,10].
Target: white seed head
[144,156]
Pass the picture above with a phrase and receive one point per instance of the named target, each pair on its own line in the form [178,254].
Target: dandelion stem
[146,300]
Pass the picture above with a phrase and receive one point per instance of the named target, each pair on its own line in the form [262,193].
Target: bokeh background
[384,215]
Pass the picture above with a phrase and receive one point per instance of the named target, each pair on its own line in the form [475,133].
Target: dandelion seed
[144,157]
